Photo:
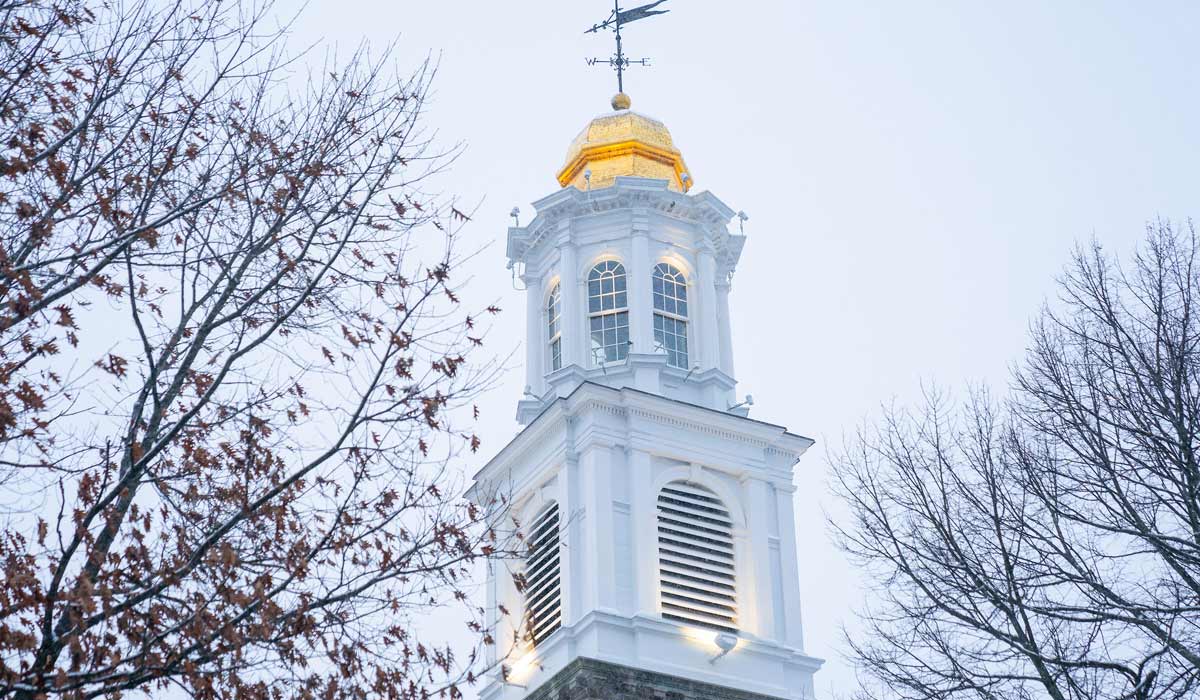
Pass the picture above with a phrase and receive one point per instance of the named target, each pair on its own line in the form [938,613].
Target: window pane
[609,322]
[669,290]
[670,336]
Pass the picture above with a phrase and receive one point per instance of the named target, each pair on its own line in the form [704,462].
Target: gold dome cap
[624,143]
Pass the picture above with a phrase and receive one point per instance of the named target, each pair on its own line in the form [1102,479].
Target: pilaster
[645,515]
[724,325]
[599,592]
[758,509]
[535,337]
[568,271]
[572,524]
[710,341]
[641,304]
[790,569]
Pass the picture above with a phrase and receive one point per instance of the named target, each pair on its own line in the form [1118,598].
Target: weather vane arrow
[617,19]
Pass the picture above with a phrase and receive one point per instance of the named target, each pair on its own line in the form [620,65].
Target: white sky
[916,173]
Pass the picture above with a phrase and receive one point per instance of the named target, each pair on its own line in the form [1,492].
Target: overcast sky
[915,172]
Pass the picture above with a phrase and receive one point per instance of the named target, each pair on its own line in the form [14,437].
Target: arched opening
[697,573]
[543,587]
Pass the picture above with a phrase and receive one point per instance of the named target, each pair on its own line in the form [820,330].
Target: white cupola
[657,539]
[627,276]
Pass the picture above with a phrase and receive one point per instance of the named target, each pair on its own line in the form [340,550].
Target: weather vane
[619,61]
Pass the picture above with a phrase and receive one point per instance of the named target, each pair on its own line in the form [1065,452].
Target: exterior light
[511,676]
[505,674]
[748,402]
[726,642]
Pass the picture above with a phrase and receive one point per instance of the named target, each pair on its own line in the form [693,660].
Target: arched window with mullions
[554,326]
[671,314]
[608,312]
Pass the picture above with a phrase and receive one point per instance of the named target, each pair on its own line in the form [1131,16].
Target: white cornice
[643,406]
[704,210]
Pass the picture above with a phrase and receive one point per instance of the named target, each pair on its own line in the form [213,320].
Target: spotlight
[726,642]
[748,402]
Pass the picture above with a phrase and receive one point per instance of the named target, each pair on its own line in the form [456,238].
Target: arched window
[696,558]
[608,312]
[543,592]
[554,326]
[670,314]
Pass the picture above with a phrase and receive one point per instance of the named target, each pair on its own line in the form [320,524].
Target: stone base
[588,679]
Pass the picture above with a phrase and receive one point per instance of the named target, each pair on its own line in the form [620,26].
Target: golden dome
[624,143]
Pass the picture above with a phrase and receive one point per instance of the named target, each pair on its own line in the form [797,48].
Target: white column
[641,329]
[724,330]
[596,472]
[760,582]
[708,355]
[791,569]
[572,307]
[645,527]
[573,519]
[535,368]
[624,532]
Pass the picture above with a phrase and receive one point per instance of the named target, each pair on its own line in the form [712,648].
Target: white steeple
[656,516]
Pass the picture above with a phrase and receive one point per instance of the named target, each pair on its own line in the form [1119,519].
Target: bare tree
[1046,545]
[231,354]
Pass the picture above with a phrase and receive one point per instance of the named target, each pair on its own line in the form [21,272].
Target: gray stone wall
[588,679]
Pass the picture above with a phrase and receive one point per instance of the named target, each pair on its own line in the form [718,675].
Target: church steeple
[656,515]
[654,518]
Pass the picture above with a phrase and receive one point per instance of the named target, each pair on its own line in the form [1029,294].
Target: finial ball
[621,101]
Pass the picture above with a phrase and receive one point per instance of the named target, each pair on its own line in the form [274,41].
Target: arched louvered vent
[695,558]
[543,592]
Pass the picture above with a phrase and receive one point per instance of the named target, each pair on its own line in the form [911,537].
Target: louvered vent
[695,558]
[543,593]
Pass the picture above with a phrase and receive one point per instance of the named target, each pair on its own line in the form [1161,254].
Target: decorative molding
[632,404]
[642,194]
[665,419]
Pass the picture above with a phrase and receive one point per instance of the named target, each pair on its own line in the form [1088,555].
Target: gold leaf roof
[624,143]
